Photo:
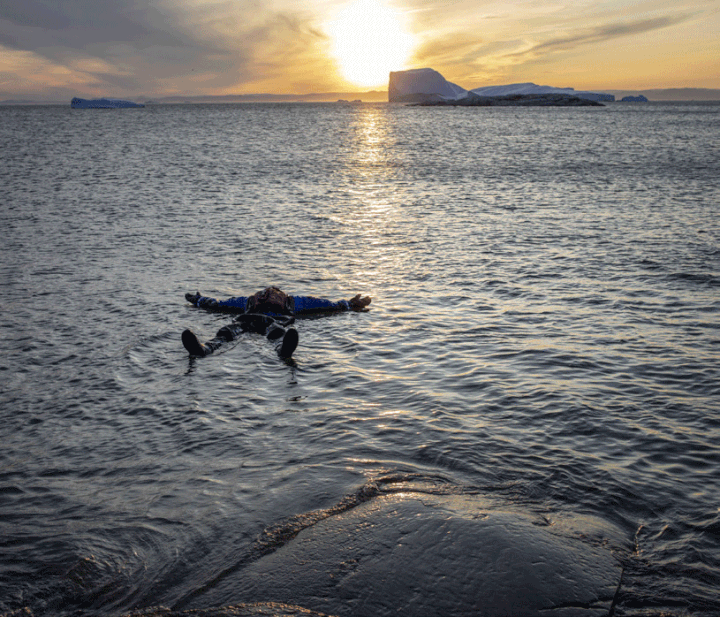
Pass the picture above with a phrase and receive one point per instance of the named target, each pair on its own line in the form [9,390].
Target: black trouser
[272,327]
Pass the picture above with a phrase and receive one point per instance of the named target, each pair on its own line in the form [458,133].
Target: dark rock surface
[427,555]
[513,100]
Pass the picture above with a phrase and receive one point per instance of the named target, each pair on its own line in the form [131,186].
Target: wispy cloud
[477,55]
[604,32]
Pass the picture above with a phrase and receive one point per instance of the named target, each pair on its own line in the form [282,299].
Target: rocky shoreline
[511,100]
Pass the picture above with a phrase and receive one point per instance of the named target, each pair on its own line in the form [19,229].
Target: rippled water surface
[544,333]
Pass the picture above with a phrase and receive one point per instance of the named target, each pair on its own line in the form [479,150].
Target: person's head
[271,299]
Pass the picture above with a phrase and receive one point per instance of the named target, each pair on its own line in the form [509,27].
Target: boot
[288,343]
[194,347]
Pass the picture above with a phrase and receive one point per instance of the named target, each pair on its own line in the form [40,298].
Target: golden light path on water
[369,40]
[380,212]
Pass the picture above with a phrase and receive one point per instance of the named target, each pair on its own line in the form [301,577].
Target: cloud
[474,53]
[604,32]
[162,47]
[38,25]
[176,46]
[461,51]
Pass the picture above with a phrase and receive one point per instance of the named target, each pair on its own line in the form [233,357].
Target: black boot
[288,344]
[193,345]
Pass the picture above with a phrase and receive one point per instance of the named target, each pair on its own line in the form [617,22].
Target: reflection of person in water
[269,312]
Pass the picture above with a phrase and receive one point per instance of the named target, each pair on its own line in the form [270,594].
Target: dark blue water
[544,333]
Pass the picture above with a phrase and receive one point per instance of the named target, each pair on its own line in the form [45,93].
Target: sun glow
[369,41]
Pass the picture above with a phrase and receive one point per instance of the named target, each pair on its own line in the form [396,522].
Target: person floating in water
[270,312]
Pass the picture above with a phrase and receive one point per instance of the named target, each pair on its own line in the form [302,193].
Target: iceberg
[77,103]
[421,85]
[428,86]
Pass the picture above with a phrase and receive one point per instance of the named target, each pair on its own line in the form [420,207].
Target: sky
[56,49]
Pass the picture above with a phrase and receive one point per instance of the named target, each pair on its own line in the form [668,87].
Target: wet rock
[254,609]
[426,555]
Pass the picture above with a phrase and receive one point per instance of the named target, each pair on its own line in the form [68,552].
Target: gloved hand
[358,303]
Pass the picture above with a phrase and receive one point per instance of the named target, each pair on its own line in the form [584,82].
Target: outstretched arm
[231,305]
[305,305]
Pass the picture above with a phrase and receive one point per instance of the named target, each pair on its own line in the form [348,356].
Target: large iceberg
[77,103]
[421,85]
[427,85]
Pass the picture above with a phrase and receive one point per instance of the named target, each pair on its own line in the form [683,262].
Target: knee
[226,333]
[275,332]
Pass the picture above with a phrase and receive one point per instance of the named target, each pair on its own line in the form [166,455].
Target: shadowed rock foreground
[422,554]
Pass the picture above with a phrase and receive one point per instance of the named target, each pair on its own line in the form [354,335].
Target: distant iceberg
[77,103]
[427,85]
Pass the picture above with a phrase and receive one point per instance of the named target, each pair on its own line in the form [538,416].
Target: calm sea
[544,341]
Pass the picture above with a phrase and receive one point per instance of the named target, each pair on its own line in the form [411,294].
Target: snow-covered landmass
[427,85]
[77,103]
[530,88]
[514,100]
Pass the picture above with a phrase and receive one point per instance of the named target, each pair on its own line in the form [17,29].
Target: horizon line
[710,94]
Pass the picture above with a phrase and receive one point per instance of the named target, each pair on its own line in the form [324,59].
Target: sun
[369,41]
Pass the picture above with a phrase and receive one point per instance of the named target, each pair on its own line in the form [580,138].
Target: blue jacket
[301,305]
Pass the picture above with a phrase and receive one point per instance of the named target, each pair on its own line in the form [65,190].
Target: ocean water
[544,336]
